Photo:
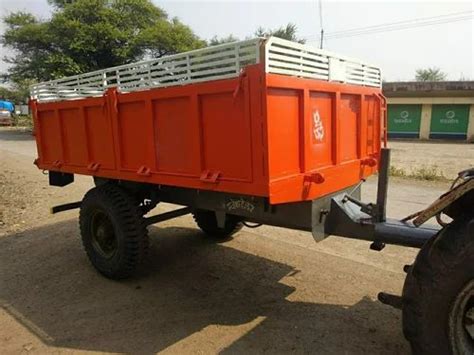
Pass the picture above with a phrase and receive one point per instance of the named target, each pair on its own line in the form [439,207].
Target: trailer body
[258,132]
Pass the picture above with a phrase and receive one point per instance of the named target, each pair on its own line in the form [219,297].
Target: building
[431,110]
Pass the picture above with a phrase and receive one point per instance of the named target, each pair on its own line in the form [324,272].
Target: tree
[215,40]
[287,32]
[18,93]
[430,74]
[60,3]
[87,35]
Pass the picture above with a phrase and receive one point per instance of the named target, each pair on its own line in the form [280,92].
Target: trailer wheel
[112,230]
[207,221]
[438,295]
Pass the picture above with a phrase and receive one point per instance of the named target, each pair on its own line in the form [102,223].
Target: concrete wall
[427,103]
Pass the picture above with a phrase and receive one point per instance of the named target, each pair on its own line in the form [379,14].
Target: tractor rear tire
[112,230]
[207,221]
[438,295]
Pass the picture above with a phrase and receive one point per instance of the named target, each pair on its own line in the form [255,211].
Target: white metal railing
[212,63]
[295,59]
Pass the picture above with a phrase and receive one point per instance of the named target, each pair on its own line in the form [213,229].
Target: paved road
[267,290]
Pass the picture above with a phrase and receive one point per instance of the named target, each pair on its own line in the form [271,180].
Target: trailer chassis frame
[340,214]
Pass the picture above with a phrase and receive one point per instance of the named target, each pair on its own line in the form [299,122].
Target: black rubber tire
[443,267]
[131,235]
[207,221]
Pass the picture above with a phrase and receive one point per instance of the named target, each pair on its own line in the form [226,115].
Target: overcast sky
[399,53]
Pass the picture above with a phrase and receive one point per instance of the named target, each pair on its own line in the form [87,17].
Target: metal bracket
[209,176]
[220,218]
[93,166]
[367,208]
[317,178]
[144,171]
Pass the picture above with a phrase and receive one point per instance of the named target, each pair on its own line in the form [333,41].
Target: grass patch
[23,121]
[427,173]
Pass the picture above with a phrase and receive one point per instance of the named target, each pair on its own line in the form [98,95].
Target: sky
[399,53]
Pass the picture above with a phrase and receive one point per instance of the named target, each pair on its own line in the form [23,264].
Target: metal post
[382,186]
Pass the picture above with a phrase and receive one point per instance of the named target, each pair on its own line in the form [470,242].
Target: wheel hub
[461,321]
[104,239]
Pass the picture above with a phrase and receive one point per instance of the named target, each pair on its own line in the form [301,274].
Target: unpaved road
[267,290]
[447,158]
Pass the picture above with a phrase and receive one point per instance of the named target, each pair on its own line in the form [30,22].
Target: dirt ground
[267,290]
[446,158]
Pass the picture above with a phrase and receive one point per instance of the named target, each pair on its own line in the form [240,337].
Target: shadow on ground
[189,284]
[16,134]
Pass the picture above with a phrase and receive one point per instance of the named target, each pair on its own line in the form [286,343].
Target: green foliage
[87,35]
[60,3]
[18,93]
[164,38]
[428,173]
[216,40]
[430,74]
[7,94]
[287,32]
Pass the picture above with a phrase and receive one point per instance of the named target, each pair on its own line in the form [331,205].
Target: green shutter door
[404,121]
[449,121]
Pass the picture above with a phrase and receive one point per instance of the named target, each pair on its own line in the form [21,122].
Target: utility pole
[321,23]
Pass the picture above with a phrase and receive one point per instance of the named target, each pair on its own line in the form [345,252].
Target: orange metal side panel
[226,136]
[99,139]
[284,132]
[177,144]
[349,117]
[131,125]
[319,150]
[373,124]
[74,131]
[50,131]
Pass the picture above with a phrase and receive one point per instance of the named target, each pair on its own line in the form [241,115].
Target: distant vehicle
[5,117]
[7,106]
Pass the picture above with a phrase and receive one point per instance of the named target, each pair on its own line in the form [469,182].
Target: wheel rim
[461,321]
[104,239]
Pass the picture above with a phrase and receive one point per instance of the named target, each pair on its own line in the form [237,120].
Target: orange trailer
[257,133]
[263,130]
